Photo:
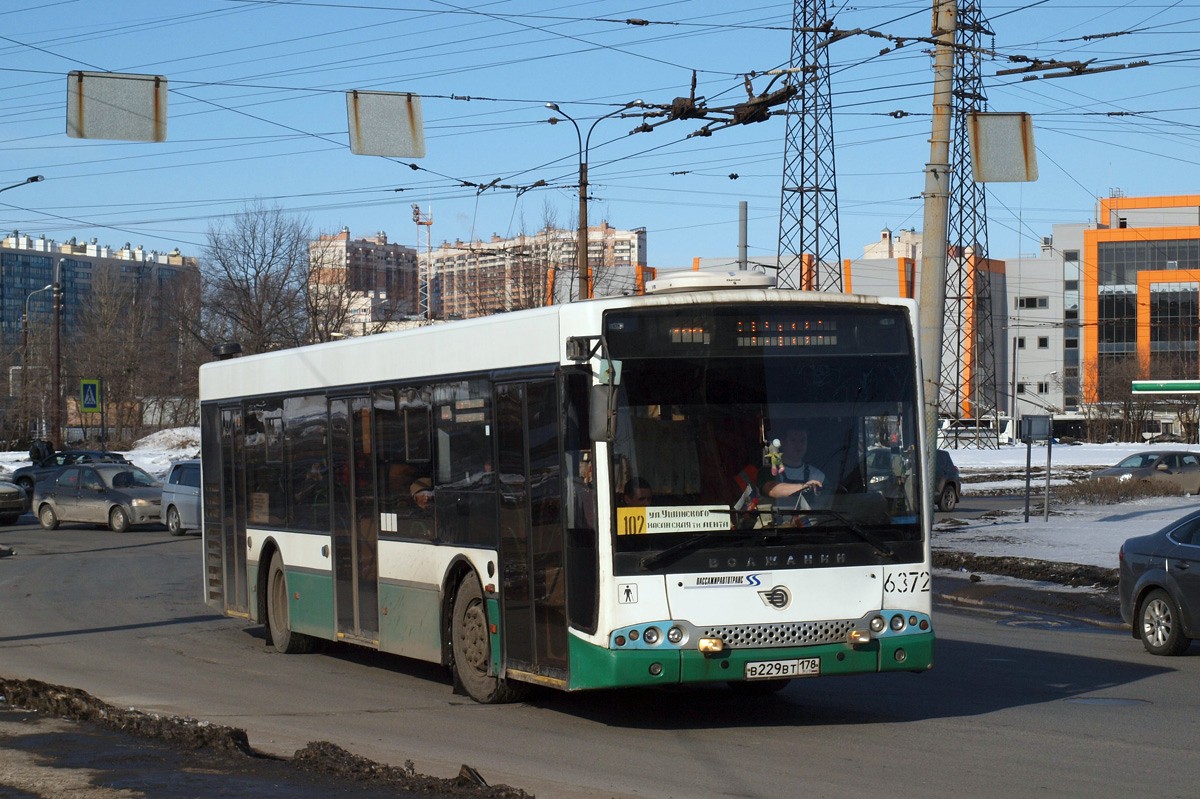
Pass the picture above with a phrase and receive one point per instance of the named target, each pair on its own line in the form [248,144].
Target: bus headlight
[651,635]
[675,635]
[877,624]
[897,623]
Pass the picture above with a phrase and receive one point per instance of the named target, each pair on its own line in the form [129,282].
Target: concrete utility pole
[56,367]
[743,214]
[932,297]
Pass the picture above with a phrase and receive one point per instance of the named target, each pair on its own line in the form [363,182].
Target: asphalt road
[1018,703]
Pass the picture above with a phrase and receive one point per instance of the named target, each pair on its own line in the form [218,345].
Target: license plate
[775,669]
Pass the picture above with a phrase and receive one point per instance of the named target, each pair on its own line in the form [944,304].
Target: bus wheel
[759,687]
[472,648]
[286,641]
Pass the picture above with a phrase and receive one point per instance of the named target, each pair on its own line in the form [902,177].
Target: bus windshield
[792,443]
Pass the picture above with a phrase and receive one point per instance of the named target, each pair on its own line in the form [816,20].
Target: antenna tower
[809,243]
[968,379]
[425,268]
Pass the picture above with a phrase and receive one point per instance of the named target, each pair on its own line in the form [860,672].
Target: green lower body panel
[310,603]
[410,621]
[598,667]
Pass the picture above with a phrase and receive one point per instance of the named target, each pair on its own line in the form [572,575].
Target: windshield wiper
[673,553]
[851,525]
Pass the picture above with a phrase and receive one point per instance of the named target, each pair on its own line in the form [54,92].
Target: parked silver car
[116,494]
[181,497]
[1179,468]
[13,502]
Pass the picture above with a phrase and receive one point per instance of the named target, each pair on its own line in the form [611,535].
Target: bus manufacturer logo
[777,597]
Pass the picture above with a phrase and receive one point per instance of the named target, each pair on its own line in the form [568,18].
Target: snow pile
[184,439]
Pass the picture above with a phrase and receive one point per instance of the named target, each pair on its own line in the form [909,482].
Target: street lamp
[25,340]
[30,179]
[581,244]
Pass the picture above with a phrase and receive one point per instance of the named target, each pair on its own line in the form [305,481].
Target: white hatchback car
[181,497]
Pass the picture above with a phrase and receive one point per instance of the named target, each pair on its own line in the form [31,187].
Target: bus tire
[278,625]
[471,646]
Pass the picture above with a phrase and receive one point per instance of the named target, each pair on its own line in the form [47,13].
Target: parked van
[181,497]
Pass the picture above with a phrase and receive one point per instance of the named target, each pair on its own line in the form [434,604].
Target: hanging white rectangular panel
[1002,147]
[108,105]
[385,123]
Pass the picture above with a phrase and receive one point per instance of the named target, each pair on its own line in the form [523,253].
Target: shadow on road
[969,680]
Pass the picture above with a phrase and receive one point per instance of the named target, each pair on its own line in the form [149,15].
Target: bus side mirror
[602,415]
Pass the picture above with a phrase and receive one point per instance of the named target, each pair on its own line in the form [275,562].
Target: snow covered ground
[1085,534]
[1089,535]
[155,453]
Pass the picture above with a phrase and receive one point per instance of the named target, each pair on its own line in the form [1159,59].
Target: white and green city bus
[453,493]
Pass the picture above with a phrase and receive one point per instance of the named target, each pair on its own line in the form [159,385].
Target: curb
[1098,607]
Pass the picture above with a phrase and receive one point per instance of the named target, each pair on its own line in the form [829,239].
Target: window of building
[1043,388]
[1071,371]
[1020,388]
[1070,255]
[1033,302]
[1043,342]
[1071,344]
[1021,343]
[1070,285]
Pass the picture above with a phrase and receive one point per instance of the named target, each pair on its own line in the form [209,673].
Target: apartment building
[28,266]
[478,278]
[374,279]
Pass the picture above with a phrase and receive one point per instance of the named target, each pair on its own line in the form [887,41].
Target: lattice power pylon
[809,244]
[424,268]
[968,378]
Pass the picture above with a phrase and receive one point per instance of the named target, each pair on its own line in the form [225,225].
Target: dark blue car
[29,476]
[1160,586]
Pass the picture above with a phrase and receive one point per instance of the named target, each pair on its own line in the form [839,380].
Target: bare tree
[116,340]
[1118,413]
[255,278]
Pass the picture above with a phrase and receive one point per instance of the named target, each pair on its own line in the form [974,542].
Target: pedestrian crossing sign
[89,396]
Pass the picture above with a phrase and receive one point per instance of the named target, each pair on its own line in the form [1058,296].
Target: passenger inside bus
[422,492]
[636,494]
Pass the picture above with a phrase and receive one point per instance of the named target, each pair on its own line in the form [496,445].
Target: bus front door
[533,596]
[233,513]
[355,533]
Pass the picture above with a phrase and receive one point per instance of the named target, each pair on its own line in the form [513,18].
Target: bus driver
[797,482]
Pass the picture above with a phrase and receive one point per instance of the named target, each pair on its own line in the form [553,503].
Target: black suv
[949,482]
[28,476]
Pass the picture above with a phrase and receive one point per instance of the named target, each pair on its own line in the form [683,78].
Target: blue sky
[257,113]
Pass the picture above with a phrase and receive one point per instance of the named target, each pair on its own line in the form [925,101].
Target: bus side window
[402,468]
[464,483]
